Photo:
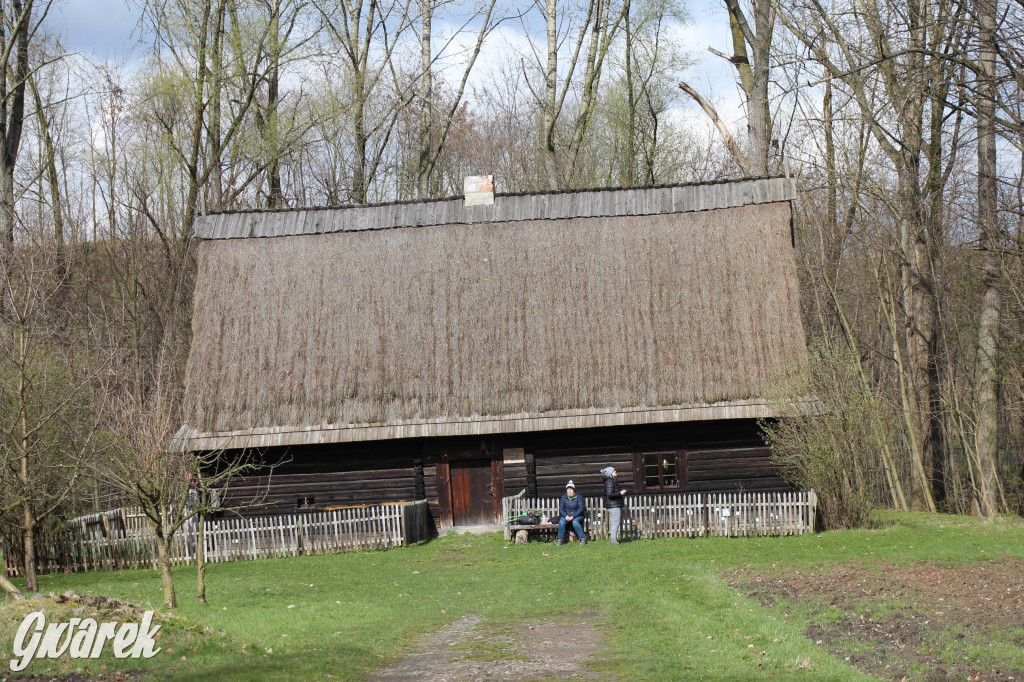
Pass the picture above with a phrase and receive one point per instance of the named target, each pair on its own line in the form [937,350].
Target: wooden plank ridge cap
[549,205]
[272,436]
[538,193]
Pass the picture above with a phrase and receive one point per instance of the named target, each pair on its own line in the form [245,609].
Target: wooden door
[472,491]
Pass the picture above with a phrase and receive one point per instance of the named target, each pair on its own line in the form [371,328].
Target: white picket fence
[688,515]
[233,539]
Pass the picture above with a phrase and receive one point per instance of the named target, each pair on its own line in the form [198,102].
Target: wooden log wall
[556,468]
[720,456]
[515,478]
[337,476]
[733,468]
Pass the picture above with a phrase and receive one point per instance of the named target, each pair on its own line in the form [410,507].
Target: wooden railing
[233,539]
[689,515]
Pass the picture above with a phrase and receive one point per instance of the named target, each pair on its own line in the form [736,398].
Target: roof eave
[282,436]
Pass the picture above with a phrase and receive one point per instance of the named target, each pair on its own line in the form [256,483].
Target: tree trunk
[919,328]
[918,282]
[7,220]
[550,85]
[359,189]
[627,173]
[10,588]
[215,186]
[986,434]
[201,557]
[163,557]
[426,101]
[12,109]
[28,537]
[271,141]
[758,120]
[602,32]
[195,182]
[832,205]
[922,306]
[754,71]
[28,517]
[49,162]
[910,413]
[163,552]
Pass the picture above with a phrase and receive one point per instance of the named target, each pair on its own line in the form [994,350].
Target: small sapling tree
[210,494]
[156,469]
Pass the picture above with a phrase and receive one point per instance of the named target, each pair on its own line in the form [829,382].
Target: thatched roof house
[542,312]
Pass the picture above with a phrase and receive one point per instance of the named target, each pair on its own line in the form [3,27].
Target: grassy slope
[666,604]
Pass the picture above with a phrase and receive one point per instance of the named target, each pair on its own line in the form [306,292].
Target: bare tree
[887,74]
[49,412]
[276,123]
[639,101]
[53,181]
[431,141]
[191,35]
[367,31]
[597,31]
[16,29]
[211,483]
[986,434]
[171,485]
[751,56]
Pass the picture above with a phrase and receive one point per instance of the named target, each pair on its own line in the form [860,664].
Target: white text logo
[82,638]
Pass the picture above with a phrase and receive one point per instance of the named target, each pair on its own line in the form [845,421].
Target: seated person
[571,509]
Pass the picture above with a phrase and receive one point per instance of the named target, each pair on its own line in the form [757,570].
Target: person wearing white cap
[571,510]
[613,503]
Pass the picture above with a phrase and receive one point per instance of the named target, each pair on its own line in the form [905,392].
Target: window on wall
[662,470]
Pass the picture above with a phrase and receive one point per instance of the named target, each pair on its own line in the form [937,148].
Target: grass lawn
[665,605]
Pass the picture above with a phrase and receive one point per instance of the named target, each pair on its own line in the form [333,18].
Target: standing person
[571,510]
[613,502]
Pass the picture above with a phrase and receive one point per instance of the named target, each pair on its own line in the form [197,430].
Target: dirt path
[473,649]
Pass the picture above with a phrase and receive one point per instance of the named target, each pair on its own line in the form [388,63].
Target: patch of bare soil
[472,649]
[917,621]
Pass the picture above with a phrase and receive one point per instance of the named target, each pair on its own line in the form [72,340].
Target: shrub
[838,443]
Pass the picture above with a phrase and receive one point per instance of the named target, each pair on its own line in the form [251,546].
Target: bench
[521,532]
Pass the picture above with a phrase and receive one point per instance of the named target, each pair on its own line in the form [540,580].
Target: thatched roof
[680,303]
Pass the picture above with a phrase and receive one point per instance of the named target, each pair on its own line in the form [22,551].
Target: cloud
[503,46]
[102,28]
